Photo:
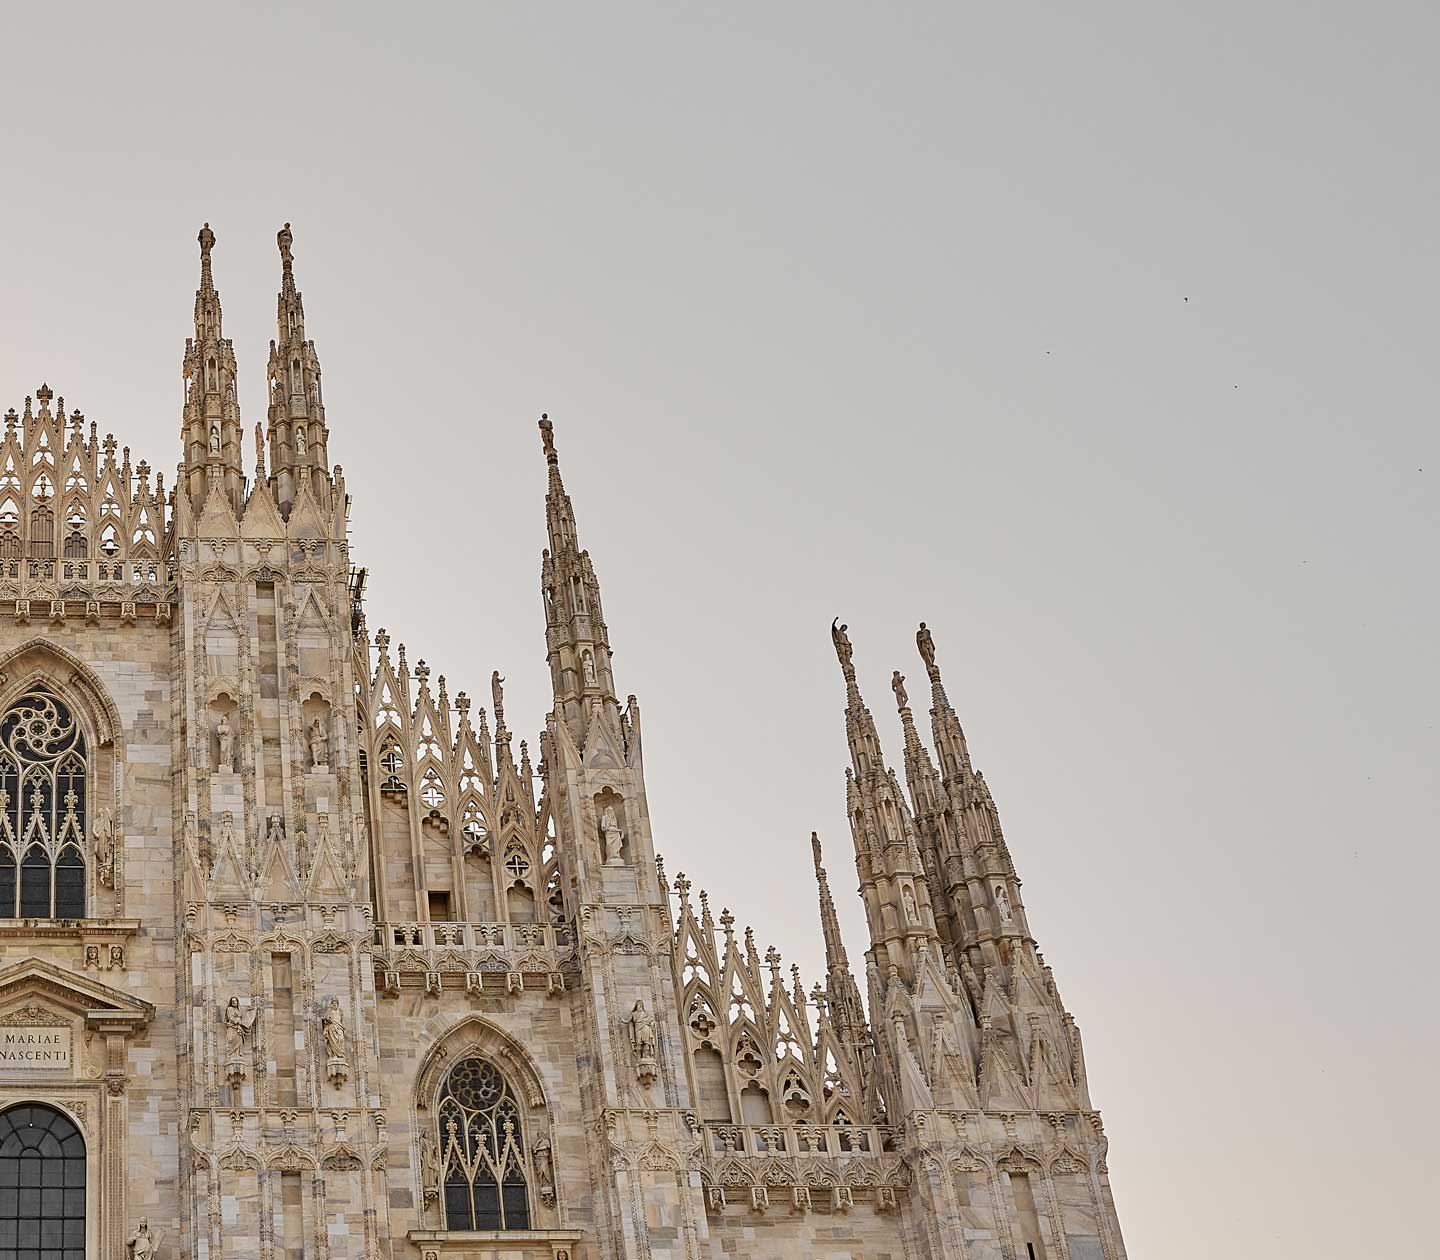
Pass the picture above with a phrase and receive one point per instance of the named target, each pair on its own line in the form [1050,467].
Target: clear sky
[1100,337]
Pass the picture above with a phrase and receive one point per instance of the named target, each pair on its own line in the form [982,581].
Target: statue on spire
[285,239]
[842,643]
[207,241]
[926,645]
[897,685]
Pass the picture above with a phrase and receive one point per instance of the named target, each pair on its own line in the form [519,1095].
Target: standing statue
[214,439]
[332,1029]
[429,1166]
[544,1171]
[1002,903]
[141,1245]
[642,1042]
[587,663]
[611,837]
[912,914]
[105,852]
[926,645]
[897,685]
[319,744]
[226,738]
[842,642]
[238,1026]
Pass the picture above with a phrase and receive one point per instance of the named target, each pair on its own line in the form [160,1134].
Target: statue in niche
[612,839]
[142,1245]
[226,737]
[1002,903]
[926,645]
[319,744]
[912,913]
[332,1029]
[214,439]
[544,1172]
[643,1042]
[238,1026]
[897,685]
[299,441]
[587,663]
[105,852]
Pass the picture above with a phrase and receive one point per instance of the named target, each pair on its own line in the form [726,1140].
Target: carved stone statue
[642,1042]
[587,663]
[141,1245]
[214,439]
[275,833]
[238,1026]
[429,1166]
[226,738]
[1002,903]
[842,642]
[912,914]
[319,744]
[611,837]
[897,685]
[926,645]
[105,852]
[544,1171]
[332,1028]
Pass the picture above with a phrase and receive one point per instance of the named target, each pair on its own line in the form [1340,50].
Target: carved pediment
[33,989]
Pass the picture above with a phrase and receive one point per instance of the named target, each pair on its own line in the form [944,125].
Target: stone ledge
[495,1244]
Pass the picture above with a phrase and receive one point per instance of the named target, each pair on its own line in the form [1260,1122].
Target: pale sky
[1099,337]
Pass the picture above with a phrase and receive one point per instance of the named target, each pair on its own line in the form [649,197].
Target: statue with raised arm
[841,639]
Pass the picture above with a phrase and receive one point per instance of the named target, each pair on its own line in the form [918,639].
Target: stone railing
[826,1140]
[59,589]
[474,957]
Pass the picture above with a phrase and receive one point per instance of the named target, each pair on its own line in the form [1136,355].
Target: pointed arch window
[43,774]
[483,1152]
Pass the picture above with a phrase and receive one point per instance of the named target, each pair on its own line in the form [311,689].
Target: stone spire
[847,1012]
[927,794]
[299,439]
[577,639]
[893,881]
[210,430]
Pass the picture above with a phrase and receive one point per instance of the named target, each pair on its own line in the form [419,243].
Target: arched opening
[43,780]
[42,1185]
[483,1154]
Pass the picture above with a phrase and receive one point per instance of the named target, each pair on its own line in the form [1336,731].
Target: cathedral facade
[304,955]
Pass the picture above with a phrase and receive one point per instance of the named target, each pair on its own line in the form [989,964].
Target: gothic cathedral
[306,956]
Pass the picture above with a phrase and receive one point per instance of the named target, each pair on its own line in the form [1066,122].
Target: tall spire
[210,430]
[945,725]
[299,439]
[847,1011]
[576,635]
[893,881]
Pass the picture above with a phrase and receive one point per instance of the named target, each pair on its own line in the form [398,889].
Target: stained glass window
[42,1185]
[482,1148]
[42,810]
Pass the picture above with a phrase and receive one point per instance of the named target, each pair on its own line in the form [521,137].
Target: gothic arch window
[42,1185]
[43,775]
[483,1156]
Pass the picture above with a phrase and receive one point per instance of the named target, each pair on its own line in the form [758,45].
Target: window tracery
[483,1158]
[43,774]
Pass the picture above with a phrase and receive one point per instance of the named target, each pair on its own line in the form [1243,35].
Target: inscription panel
[36,1049]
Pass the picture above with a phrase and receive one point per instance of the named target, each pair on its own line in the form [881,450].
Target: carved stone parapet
[474,957]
